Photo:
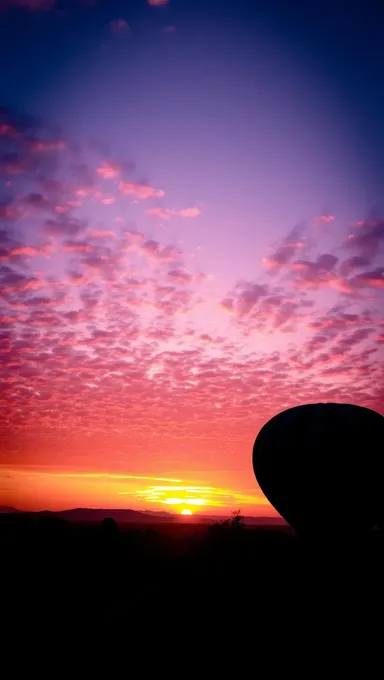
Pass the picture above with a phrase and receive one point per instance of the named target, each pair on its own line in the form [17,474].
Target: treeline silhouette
[114,578]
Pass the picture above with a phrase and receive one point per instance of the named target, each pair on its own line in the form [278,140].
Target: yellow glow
[186,512]
[184,501]
[62,488]
[172,501]
[192,495]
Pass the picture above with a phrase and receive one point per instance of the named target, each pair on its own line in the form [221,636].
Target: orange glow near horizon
[40,488]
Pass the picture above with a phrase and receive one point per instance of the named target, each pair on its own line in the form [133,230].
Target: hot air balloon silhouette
[321,467]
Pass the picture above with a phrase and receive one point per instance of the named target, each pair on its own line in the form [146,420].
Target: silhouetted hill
[121,516]
[128,516]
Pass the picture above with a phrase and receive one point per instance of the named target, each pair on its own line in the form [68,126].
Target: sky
[191,240]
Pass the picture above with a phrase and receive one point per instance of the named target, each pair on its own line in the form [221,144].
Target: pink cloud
[108,170]
[77,278]
[352,263]
[227,305]
[77,247]
[337,320]
[102,260]
[314,274]
[286,251]
[167,213]
[132,240]
[7,130]
[63,227]
[6,211]
[244,299]
[101,233]
[189,212]
[13,282]
[341,285]
[155,251]
[369,238]
[372,279]
[140,191]
[162,213]
[324,219]
[201,276]
[41,145]
[84,192]
[62,209]
[13,163]
[10,249]
[25,250]
[179,276]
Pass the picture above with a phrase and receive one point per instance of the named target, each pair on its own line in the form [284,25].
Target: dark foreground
[185,582]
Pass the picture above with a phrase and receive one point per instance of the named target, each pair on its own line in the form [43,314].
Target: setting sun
[186,512]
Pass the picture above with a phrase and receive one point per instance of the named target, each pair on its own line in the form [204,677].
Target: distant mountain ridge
[128,516]
[121,516]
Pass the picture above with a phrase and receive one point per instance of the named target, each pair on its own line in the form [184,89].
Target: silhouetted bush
[108,529]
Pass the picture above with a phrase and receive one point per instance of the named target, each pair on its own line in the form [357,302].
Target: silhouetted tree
[237,520]
[108,529]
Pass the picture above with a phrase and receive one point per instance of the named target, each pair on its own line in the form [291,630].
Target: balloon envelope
[320,465]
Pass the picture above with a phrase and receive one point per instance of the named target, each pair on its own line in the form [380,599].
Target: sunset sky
[191,240]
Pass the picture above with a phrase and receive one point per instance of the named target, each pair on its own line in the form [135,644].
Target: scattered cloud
[367,239]
[286,251]
[140,191]
[64,227]
[167,213]
[314,274]
[161,213]
[189,212]
[350,265]
[108,170]
[324,219]
[373,279]
[245,298]
[41,145]
[101,233]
